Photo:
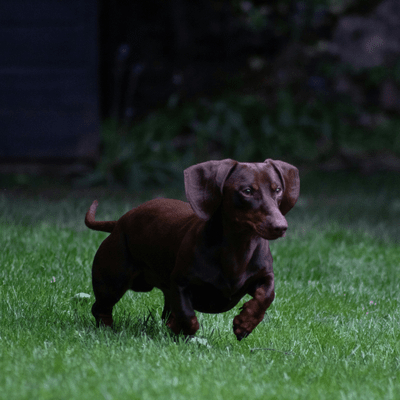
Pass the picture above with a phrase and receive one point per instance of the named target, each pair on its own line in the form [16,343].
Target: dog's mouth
[269,236]
[266,232]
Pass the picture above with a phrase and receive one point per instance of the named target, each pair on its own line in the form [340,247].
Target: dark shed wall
[48,79]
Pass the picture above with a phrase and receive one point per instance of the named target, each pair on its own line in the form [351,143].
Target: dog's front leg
[182,318]
[253,311]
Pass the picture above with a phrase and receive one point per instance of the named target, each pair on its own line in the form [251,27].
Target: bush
[157,149]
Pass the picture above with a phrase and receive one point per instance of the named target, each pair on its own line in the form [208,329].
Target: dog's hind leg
[112,275]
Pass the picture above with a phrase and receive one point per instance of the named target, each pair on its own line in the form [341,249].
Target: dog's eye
[278,190]
[248,191]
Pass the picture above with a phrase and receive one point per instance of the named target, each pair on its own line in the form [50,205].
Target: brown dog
[204,256]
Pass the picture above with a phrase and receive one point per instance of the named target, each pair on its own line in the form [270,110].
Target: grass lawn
[333,331]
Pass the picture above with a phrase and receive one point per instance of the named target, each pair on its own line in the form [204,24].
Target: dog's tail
[104,226]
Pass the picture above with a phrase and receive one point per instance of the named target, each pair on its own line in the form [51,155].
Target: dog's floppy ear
[204,183]
[291,183]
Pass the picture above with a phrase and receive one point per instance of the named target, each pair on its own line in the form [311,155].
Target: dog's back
[158,224]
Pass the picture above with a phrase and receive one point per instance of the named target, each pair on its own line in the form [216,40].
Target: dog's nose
[280,229]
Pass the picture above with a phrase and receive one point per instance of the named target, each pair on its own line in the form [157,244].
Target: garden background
[315,83]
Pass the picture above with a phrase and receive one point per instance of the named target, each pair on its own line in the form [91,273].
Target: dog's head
[252,195]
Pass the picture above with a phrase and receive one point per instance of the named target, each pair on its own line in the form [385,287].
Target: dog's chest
[220,275]
[210,298]
[218,288]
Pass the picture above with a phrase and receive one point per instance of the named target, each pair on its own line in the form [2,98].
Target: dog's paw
[250,316]
[188,328]
[241,327]
[104,320]
[173,325]
[241,335]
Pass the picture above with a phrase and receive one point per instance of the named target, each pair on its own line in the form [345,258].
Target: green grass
[333,331]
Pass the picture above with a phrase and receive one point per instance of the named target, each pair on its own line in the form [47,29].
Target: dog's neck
[237,244]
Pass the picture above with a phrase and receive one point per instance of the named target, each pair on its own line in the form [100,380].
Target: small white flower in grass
[81,296]
[53,280]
